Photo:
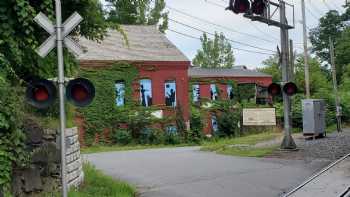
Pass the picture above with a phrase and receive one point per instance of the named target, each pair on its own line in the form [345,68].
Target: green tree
[333,25]
[20,35]
[138,12]
[330,25]
[342,50]
[215,53]
[272,67]
[320,85]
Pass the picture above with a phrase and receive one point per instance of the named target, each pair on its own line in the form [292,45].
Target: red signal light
[290,88]
[274,89]
[80,92]
[239,6]
[41,93]
[258,7]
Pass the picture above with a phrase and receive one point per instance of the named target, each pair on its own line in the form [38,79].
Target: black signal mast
[267,11]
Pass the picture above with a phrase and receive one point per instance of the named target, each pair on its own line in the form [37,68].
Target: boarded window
[196,93]
[120,93]
[146,92]
[214,124]
[213,92]
[230,93]
[170,93]
[171,129]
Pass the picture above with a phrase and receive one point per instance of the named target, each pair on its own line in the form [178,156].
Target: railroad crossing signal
[41,93]
[68,26]
[289,88]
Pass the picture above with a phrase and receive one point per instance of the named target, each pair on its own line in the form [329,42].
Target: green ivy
[103,113]
[11,136]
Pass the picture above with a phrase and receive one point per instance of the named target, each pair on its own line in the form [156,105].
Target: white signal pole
[59,39]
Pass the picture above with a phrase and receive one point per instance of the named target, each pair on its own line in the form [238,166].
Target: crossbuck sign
[68,26]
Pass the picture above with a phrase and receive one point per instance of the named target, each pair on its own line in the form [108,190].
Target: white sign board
[259,117]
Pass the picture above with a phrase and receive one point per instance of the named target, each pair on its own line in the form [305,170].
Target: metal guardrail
[346,194]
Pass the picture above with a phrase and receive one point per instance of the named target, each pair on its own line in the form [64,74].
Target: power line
[217,25]
[200,30]
[238,49]
[311,13]
[315,8]
[261,31]
[216,4]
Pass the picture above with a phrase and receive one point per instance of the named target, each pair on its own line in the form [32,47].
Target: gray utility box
[314,117]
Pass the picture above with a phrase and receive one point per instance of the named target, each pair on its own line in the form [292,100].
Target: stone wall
[42,173]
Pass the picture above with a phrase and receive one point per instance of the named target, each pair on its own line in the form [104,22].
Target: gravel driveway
[332,147]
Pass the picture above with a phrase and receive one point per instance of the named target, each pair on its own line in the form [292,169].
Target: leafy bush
[122,136]
[195,134]
[11,136]
[172,138]
[228,122]
[151,136]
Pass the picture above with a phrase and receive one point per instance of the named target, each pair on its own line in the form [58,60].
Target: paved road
[188,172]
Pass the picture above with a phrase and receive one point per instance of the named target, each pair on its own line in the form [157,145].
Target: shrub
[122,136]
[172,138]
[228,122]
[196,132]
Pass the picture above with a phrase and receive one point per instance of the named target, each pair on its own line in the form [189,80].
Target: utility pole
[306,65]
[335,85]
[288,142]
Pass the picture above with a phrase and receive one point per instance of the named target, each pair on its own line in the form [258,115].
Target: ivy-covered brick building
[238,83]
[141,68]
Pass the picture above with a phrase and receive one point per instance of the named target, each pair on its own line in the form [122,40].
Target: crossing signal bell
[41,93]
[289,88]
[243,6]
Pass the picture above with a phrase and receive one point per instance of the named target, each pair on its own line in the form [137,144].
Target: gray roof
[146,43]
[224,72]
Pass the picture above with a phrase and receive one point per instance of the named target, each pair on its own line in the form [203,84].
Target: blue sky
[212,11]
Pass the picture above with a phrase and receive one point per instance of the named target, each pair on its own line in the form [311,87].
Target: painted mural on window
[120,93]
[196,92]
[170,93]
[146,92]
[213,92]
[230,94]
[214,124]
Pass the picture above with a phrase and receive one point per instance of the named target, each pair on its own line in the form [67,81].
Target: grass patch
[242,146]
[112,148]
[97,184]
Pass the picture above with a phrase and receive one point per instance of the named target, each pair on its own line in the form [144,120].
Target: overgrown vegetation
[11,136]
[131,123]
[98,184]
